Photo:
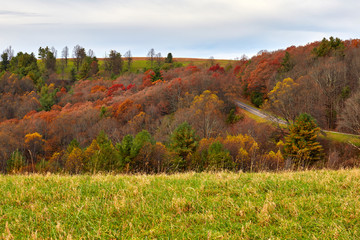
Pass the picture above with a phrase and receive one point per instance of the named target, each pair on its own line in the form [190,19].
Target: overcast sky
[187,28]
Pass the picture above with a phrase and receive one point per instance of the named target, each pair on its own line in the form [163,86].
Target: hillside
[88,115]
[288,205]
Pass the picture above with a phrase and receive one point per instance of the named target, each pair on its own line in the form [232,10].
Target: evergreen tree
[16,162]
[219,158]
[169,58]
[301,145]
[125,149]
[47,97]
[183,142]
[286,64]
[4,61]
[108,156]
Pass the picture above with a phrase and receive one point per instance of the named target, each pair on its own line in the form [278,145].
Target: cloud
[17,13]
[189,28]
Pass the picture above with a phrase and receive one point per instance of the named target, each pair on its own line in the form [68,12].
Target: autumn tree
[75,161]
[34,143]
[301,146]
[206,113]
[283,99]
[244,151]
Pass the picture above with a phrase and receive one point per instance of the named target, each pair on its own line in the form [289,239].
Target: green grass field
[345,138]
[290,205]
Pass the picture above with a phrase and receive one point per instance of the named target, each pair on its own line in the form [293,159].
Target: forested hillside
[116,114]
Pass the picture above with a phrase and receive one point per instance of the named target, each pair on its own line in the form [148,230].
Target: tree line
[45,113]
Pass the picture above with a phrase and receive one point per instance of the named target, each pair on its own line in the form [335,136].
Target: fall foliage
[172,117]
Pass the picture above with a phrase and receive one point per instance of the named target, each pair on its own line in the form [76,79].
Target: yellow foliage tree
[74,162]
[34,143]
[91,159]
[207,116]
[244,150]
[283,99]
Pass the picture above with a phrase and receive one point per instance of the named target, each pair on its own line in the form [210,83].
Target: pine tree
[301,145]
[219,158]
[183,142]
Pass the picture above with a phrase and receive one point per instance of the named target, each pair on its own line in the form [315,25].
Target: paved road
[259,113]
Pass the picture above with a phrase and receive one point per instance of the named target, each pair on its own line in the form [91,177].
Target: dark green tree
[169,58]
[140,139]
[114,63]
[73,77]
[16,162]
[300,144]
[108,156]
[232,117]
[183,142]
[84,70]
[79,55]
[219,158]
[23,64]
[125,149]
[4,61]
[48,58]
[73,144]
[332,46]
[47,97]
[286,64]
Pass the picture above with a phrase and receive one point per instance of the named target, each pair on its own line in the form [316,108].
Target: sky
[224,29]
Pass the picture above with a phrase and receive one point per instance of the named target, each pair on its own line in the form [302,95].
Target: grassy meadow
[288,205]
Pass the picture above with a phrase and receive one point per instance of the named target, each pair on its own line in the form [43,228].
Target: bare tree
[350,115]
[151,56]
[10,52]
[65,54]
[54,52]
[158,59]
[129,59]
[330,76]
[91,53]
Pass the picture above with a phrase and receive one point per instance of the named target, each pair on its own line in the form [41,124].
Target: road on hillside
[259,113]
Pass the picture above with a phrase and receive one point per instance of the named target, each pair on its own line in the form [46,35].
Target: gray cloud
[222,28]
[17,13]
